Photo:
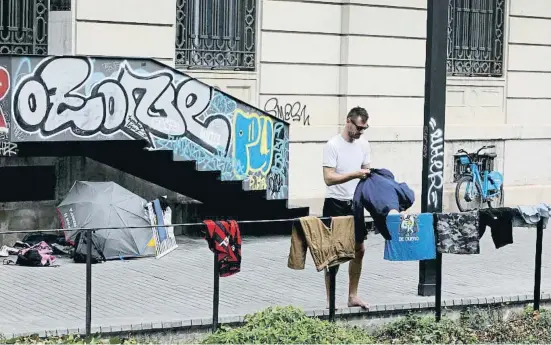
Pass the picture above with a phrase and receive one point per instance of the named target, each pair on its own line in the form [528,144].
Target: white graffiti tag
[51,100]
[436,165]
[8,149]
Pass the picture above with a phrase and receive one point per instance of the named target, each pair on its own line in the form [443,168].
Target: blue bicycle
[480,185]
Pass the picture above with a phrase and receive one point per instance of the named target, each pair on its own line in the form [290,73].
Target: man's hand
[363,173]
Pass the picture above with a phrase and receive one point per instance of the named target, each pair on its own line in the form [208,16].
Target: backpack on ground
[79,254]
[39,255]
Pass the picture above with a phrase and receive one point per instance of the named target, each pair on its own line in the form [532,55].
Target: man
[345,161]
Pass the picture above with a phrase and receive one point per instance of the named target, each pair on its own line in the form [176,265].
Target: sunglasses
[359,128]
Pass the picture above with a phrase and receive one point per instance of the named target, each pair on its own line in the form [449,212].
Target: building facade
[308,62]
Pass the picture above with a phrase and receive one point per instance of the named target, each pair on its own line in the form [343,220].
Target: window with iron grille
[475,38]
[60,5]
[216,34]
[24,27]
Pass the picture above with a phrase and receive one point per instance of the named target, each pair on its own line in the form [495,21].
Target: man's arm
[331,177]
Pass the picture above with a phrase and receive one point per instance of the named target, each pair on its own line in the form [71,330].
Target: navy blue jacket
[378,194]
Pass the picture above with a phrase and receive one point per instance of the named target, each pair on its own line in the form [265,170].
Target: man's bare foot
[357,302]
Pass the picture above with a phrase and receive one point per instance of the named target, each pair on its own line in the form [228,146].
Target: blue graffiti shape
[221,109]
[186,150]
[253,143]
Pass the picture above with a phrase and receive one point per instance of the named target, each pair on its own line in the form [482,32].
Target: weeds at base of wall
[289,325]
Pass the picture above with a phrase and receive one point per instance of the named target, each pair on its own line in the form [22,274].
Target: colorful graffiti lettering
[80,98]
[253,143]
[4,89]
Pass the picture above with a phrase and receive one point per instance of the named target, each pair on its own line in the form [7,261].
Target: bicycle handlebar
[477,153]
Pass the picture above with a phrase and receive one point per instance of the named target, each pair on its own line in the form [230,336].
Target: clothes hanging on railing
[457,233]
[412,237]
[500,221]
[378,194]
[529,216]
[329,246]
[224,239]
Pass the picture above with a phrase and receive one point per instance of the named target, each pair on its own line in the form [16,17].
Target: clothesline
[168,225]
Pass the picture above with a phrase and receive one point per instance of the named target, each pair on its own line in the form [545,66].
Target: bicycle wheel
[499,198]
[471,196]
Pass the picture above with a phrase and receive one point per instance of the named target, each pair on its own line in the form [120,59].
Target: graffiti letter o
[193,98]
[116,105]
[31,104]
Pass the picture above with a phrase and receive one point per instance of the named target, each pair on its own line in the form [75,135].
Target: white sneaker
[4,252]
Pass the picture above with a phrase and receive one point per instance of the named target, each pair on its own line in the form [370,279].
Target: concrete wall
[129,28]
[528,154]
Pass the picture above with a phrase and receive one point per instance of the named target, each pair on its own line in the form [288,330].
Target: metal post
[215,295]
[88,283]
[438,292]
[332,292]
[438,287]
[433,127]
[537,274]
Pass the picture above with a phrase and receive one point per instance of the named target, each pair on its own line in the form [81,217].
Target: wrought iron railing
[60,5]
[216,34]
[475,37]
[24,27]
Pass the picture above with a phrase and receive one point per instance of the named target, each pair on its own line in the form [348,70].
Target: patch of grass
[414,329]
[291,326]
[288,325]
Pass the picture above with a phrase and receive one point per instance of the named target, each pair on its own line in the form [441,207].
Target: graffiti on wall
[79,98]
[436,163]
[7,149]
[295,112]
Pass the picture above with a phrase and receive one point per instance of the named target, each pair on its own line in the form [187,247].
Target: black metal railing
[476,38]
[216,274]
[24,27]
[216,34]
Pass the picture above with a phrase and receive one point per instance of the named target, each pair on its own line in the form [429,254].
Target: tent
[110,208]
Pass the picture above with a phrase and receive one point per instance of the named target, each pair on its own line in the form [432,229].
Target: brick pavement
[179,286]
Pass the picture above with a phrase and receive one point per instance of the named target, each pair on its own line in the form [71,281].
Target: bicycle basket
[464,160]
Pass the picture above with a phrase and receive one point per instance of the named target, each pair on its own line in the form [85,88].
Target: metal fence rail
[332,271]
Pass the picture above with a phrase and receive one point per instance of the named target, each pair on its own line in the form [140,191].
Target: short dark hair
[358,112]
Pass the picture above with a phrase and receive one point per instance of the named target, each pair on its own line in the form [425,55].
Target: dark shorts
[338,208]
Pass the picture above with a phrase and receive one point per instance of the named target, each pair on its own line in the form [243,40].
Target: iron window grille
[60,5]
[216,34]
[475,38]
[24,27]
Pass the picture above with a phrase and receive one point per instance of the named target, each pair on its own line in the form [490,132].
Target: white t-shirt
[345,157]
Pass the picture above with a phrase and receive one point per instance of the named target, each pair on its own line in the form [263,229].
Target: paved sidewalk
[179,286]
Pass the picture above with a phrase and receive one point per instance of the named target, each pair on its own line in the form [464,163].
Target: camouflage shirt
[457,233]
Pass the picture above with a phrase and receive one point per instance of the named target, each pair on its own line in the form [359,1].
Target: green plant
[288,325]
[69,339]
[528,327]
[415,329]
